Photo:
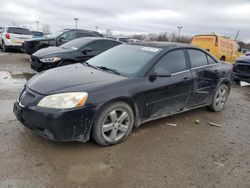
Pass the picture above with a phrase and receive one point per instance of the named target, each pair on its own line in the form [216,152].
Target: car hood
[77,77]
[52,50]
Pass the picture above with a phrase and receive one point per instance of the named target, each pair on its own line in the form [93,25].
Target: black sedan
[77,50]
[56,39]
[123,87]
[241,69]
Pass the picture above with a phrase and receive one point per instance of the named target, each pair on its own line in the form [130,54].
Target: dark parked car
[123,87]
[37,34]
[77,50]
[241,69]
[56,39]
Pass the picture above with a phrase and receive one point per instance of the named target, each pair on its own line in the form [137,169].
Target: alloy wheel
[220,98]
[115,125]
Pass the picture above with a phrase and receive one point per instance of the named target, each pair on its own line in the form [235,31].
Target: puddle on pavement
[8,80]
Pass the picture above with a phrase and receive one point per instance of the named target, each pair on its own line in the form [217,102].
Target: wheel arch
[223,58]
[227,83]
[128,101]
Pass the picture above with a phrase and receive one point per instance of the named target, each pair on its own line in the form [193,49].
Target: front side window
[198,58]
[70,35]
[173,61]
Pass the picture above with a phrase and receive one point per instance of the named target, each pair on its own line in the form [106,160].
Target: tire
[237,81]
[4,48]
[219,99]
[107,129]
[223,58]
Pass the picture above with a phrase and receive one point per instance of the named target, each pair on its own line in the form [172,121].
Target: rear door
[167,95]
[206,74]
[18,35]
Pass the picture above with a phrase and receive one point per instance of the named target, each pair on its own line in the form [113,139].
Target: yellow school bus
[223,48]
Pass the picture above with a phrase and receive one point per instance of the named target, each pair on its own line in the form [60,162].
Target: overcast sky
[140,16]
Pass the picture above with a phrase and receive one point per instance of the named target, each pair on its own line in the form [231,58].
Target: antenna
[236,37]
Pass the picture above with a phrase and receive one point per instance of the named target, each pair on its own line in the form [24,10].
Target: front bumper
[57,125]
[14,47]
[39,66]
[241,77]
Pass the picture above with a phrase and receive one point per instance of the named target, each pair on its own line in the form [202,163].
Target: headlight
[64,100]
[50,59]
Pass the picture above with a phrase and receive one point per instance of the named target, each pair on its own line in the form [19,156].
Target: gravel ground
[155,155]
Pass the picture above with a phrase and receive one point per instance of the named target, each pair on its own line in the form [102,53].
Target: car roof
[84,30]
[164,45]
[90,39]
[16,27]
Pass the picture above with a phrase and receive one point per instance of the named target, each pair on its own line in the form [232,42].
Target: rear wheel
[223,58]
[113,124]
[4,48]
[219,99]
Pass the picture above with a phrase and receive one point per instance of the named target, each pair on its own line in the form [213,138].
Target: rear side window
[84,35]
[173,61]
[198,58]
[210,60]
[102,45]
[20,31]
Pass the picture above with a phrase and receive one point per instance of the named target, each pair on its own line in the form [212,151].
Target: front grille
[26,98]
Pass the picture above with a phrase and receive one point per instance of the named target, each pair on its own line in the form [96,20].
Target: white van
[13,37]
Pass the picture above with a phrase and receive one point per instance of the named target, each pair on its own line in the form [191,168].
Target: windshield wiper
[89,65]
[109,69]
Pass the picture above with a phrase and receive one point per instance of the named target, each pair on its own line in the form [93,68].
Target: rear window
[37,33]
[211,60]
[21,31]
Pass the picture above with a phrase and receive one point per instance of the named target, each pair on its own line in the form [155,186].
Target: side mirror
[61,39]
[160,72]
[87,49]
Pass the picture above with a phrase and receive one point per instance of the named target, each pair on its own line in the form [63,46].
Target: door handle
[185,78]
[216,71]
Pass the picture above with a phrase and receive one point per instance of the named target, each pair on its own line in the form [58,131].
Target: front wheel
[113,124]
[219,99]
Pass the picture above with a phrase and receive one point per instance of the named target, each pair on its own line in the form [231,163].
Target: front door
[167,95]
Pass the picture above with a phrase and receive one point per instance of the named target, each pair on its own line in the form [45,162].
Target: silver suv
[13,37]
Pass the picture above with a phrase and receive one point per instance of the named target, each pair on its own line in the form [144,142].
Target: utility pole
[96,28]
[179,32]
[76,20]
[37,27]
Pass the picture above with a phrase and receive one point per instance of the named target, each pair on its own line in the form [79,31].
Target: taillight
[7,35]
